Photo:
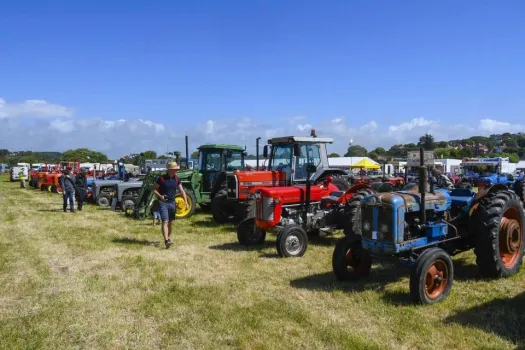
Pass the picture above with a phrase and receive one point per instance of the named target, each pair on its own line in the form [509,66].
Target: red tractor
[298,211]
[287,158]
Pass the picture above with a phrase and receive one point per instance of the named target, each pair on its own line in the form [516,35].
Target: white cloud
[33,109]
[304,127]
[123,136]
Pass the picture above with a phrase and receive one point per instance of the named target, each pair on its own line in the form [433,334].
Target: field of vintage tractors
[422,223]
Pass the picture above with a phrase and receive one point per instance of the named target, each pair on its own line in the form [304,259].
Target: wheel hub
[293,244]
[436,279]
[510,238]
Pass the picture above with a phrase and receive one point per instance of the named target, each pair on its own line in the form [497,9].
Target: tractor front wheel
[292,241]
[128,203]
[432,276]
[180,207]
[499,234]
[103,200]
[249,234]
[349,260]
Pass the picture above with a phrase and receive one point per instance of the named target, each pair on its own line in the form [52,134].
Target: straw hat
[173,165]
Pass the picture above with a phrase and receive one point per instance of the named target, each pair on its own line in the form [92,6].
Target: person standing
[22,178]
[67,182]
[81,187]
[165,189]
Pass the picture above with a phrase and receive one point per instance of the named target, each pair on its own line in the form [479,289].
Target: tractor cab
[292,155]
[216,160]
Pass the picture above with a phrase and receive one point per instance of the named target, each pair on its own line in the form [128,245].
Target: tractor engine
[281,206]
[391,222]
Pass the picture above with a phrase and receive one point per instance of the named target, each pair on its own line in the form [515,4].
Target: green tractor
[201,184]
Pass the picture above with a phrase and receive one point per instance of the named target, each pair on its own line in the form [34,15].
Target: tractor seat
[332,199]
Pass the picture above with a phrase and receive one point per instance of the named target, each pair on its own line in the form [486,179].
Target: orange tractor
[288,158]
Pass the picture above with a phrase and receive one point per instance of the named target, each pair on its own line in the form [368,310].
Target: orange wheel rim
[436,279]
[510,237]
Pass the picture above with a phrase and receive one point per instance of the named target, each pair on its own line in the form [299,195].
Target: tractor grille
[265,208]
[232,186]
[380,229]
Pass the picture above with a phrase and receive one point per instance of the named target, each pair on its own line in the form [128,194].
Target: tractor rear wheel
[519,187]
[220,209]
[249,234]
[292,241]
[431,277]
[498,224]
[353,221]
[128,203]
[103,200]
[349,260]
[180,207]
[340,183]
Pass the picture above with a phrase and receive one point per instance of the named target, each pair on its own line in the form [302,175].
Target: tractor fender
[323,172]
[494,188]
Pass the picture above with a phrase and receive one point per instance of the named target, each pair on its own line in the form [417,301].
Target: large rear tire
[340,183]
[353,217]
[220,209]
[128,203]
[498,224]
[249,234]
[181,211]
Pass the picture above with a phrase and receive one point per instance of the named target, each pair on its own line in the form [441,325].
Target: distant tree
[85,155]
[195,154]
[511,143]
[4,152]
[333,155]
[442,152]
[465,153]
[177,156]
[373,155]
[442,144]
[411,146]
[427,142]
[164,157]
[380,151]
[149,155]
[356,151]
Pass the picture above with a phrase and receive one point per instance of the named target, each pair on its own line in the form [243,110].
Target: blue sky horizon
[123,77]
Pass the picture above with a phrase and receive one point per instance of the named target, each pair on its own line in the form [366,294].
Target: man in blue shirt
[166,189]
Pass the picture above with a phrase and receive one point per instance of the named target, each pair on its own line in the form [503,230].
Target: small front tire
[431,277]
[292,241]
[249,234]
[350,261]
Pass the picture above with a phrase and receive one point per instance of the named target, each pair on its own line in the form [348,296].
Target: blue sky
[124,76]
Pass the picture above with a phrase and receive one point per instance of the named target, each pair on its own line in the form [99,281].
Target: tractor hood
[410,200]
[106,182]
[295,194]
[185,174]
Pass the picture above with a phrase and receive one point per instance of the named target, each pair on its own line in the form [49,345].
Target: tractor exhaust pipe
[422,187]
[309,172]
[257,151]
[187,153]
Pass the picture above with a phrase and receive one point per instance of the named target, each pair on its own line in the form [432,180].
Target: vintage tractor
[208,182]
[202,185]
[126,194]
[288,157]
[425,229]
[296,212]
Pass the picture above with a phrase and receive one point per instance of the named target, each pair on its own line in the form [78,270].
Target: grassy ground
[96,279]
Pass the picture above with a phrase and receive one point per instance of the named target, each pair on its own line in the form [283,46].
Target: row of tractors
[298,195]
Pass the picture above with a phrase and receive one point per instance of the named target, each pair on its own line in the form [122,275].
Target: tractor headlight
[277,200]
[366,226]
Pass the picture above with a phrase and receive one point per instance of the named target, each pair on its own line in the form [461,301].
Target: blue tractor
[394,224]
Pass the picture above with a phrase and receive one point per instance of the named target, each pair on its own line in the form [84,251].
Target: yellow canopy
[365,163]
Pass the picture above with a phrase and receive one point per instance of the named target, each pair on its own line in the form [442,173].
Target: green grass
[96,279]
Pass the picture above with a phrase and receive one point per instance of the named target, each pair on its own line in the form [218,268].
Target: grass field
[95,279]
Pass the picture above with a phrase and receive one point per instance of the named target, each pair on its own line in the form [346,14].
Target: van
[13,174]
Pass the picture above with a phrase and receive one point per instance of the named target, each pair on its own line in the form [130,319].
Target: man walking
[67,182]
[81,186]
[166,189]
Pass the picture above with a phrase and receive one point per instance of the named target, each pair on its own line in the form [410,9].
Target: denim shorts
[167,211]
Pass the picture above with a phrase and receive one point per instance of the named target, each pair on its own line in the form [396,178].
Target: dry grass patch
[96,279]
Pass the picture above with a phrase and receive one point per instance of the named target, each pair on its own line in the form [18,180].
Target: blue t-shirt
[168,186]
